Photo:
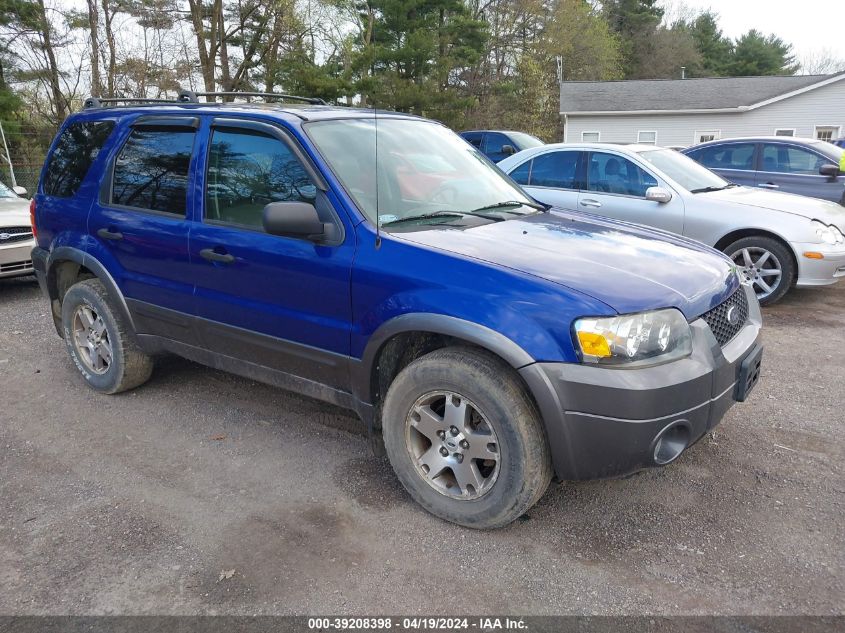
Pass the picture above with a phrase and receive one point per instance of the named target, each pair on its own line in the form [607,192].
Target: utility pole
[8,158]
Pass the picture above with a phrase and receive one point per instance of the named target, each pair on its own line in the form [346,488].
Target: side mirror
[21,191]
[830,170]
[658,194]
[297,219]
[508,150]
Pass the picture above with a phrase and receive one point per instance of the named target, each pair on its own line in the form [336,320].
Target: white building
[683,112]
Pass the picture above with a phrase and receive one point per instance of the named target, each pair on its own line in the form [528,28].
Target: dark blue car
[384,266]
[778,163]
[497,145]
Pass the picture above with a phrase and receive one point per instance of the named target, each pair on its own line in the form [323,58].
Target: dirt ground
[203,493]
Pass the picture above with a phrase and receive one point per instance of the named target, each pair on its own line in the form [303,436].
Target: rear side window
[151,171]
[71,159]
[556,169]
[739,156]
[473,138]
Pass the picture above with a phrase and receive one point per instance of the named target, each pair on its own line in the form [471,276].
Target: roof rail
[265,95]
[188,96]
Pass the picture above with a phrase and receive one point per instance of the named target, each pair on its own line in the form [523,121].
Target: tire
[779,257]
[127,366]
[502,426]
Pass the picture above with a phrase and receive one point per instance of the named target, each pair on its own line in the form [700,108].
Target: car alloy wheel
[91,339]
[760,268]
[453,446]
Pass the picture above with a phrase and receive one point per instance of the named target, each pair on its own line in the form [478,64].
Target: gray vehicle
[777,240]
[781,163]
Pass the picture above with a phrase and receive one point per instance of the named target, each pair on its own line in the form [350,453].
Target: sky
[811,26]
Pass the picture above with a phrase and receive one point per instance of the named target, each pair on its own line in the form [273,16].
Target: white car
[16,239]
[777,240]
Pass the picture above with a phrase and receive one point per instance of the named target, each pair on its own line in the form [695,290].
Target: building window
[827,132]
[647,138]
[785,131]
[702,136]
[591,137]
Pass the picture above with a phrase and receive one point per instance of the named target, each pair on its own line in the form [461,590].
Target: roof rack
[265,95]
[188,96]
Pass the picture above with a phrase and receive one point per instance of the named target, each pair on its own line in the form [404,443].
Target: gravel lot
[138,503]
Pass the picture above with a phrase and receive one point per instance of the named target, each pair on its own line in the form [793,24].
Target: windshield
[525,141]
[5,192]
[683,170]
[423,169]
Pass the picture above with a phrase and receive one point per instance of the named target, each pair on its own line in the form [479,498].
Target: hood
[812,208]
[14,212]
[628,267]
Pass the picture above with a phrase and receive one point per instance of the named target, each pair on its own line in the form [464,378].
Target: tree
[673,48]
[715,49]
[755,54]
[414,53]
[635,21]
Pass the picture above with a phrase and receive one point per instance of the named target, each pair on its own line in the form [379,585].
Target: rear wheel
[766,264]
[99,342]
[465,439]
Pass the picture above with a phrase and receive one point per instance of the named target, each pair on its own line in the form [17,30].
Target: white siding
[822,106]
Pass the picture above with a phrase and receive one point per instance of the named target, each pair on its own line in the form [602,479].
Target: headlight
[828,234]
[647,338]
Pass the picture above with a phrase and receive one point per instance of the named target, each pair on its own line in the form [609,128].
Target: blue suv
[382,264]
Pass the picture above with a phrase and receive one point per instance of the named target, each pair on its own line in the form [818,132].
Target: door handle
[589,202]
[213,256]
[769,185]
[108,234]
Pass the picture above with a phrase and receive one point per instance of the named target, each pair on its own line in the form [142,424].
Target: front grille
[717,318]
[16,267]
[12,234]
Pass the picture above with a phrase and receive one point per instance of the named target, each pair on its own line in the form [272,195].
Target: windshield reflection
[423,168]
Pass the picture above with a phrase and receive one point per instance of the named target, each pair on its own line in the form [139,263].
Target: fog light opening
[670,443]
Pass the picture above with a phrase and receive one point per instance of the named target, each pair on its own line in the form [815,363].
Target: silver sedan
[777,240]
[16,240]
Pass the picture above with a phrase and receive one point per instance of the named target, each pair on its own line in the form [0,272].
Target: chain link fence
[23,152]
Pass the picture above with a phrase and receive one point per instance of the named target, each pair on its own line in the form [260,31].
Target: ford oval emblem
[732,316]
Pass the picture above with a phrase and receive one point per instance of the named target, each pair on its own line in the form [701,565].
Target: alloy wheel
[759,267]
[452,445]
[91,339]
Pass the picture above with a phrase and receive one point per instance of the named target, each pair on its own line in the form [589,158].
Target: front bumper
[15,259]
[819,272]
[608,422]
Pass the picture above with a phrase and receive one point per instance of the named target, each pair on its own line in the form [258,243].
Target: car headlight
[646,338]
[829,234]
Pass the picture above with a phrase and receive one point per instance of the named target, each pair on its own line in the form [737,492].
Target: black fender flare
[433,323]
[69,253]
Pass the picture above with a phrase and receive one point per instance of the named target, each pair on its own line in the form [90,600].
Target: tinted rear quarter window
[151,170]
[73,155]
[522,173]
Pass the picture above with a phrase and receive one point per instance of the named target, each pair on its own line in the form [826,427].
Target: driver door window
[246,172]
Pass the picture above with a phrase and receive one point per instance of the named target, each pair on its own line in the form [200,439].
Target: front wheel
[465,439]
[766,264]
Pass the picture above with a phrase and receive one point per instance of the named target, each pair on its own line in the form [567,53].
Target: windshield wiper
[709,189]
[425,216]
[511,203]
